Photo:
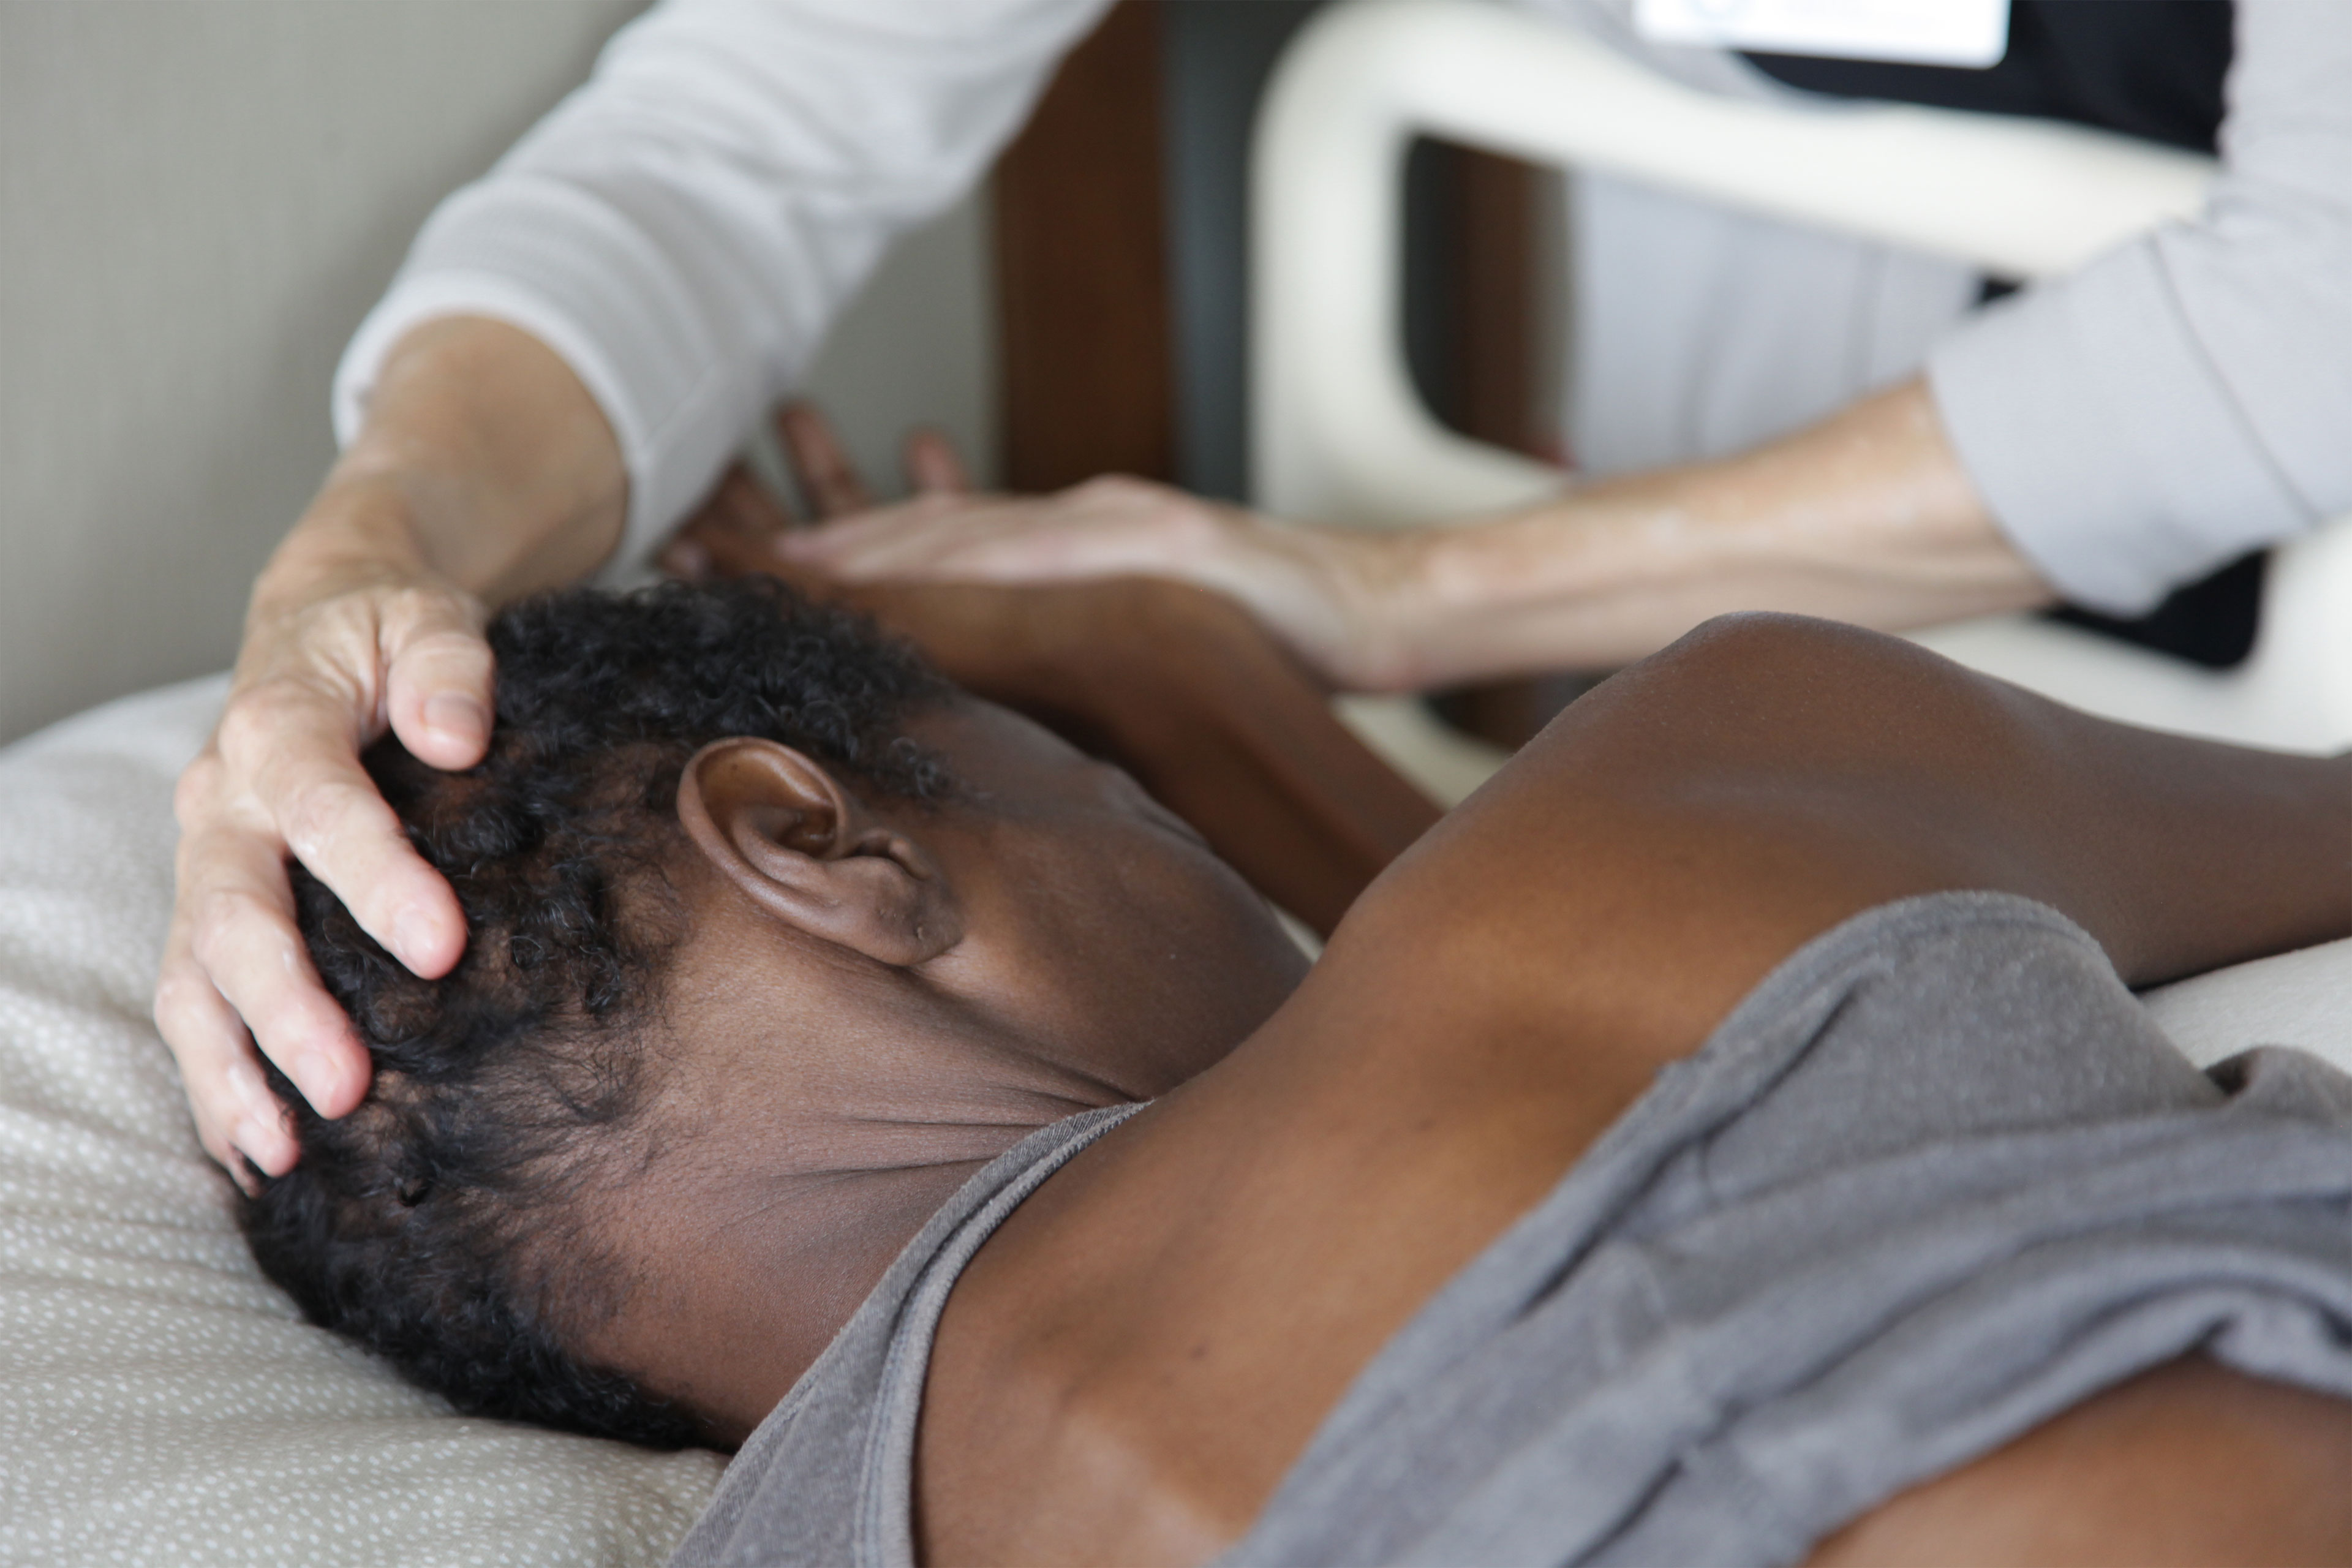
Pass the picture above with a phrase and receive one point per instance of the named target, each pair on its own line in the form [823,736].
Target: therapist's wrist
[1354,603]
[360,529]
[1485,597]
[482,459]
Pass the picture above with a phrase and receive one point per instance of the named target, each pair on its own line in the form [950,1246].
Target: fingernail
[457,716]
[317,1074]
[244,1083]
[413,936]
[252,1137]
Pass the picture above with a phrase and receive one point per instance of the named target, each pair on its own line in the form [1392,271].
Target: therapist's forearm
[1866,517]
[482,462]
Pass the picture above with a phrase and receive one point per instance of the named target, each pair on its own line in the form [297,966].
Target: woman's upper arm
[1689,824]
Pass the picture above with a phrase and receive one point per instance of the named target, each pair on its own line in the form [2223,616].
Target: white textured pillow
[160,1402]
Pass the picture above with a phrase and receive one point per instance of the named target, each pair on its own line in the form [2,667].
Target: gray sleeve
[1938,1179]
[2188,397]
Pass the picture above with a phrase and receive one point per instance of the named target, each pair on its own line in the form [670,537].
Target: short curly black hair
[441,1223]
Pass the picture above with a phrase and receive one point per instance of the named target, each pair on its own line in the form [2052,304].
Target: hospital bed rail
[1339,433]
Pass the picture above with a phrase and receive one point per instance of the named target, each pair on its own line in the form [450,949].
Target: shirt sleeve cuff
[2102,441]
[676,414]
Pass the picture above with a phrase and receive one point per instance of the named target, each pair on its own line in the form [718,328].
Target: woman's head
[774,938]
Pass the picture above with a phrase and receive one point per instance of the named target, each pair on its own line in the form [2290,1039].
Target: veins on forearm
[1866,517]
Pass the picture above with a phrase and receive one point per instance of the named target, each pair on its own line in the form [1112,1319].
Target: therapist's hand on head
[484,471]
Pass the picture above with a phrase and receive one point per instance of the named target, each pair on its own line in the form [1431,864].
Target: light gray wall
[918,347]
[198,201]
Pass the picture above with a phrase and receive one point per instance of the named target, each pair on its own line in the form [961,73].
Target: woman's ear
[777,825]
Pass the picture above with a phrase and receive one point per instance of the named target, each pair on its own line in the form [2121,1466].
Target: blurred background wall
[198,201]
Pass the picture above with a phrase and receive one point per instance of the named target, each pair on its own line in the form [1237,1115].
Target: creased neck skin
[773,1214]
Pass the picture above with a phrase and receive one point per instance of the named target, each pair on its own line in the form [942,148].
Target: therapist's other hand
[485,470]
[1868,517]
[1329,593]
[1074,654]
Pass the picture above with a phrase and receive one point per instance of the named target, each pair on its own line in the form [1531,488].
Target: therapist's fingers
[733,534]
[934,467]
[740,529]
[253,957]
[1108,526]
[235,1114]
[828,479]
[1321,591]
[437,690]
[282,778]
[688,559]
[291,750]
[233,955]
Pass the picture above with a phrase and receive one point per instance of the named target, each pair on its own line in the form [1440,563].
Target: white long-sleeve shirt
[682,228]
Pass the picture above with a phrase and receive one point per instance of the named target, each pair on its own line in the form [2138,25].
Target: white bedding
[160,1403]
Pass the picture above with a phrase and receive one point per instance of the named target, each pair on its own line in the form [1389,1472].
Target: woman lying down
[1727,1138]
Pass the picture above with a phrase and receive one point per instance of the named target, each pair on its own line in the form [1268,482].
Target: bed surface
[160,1403]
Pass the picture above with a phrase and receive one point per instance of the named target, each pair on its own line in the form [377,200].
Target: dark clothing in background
[2150,68]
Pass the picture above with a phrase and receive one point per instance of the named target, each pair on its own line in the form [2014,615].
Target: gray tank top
[1936,1179]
